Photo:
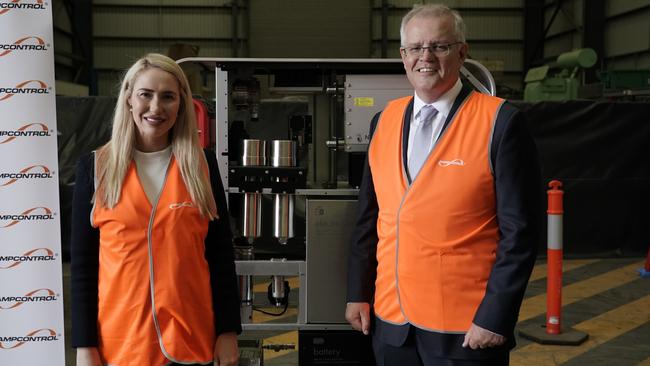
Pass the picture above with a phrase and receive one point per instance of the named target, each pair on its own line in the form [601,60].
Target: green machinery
[559,80]
[625,83]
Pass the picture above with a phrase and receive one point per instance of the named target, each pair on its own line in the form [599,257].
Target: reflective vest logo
[178,205]
[455,162]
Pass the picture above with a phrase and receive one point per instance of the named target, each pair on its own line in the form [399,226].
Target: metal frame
[284,268]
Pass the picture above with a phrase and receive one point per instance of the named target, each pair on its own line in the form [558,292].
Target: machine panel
[329,227]
[365,95]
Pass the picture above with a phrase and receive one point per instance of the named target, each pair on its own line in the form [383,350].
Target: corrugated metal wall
[309,28]
[627,34]
[563,34]
[494,33]
[123,30]
[126,29]
[64,64]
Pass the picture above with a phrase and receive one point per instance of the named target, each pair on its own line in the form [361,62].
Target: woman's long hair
[113,159]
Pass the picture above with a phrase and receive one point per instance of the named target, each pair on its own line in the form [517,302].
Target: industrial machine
[625,84]
[290,139]
[559,80]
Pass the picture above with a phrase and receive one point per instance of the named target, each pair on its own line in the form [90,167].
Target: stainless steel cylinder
[252,225]
[278,289]
[283,153]
[246,293]
[245,281]
[254,153]
[246,289]
[283,217]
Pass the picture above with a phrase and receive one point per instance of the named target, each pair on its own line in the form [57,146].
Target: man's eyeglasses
[438,49]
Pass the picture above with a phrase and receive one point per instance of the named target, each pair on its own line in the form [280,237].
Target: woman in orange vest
[153,275]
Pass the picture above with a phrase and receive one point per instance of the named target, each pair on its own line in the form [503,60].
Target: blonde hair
[436,11]
[114,158]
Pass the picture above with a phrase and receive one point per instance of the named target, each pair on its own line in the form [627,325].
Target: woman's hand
[88,356]
[226,352]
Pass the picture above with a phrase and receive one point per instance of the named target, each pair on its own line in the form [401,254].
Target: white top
[442,105]
[152,168]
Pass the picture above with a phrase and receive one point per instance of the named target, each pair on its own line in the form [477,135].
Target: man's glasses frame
[438,49]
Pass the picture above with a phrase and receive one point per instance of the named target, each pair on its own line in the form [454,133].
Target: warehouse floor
[606,298]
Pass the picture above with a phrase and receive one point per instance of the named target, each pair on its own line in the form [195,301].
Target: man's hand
[358,315]
[88,356]
[226,352]
[478,337]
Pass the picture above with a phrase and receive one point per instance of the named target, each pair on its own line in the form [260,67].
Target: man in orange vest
[448,206]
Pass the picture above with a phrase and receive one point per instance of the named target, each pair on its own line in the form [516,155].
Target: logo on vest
[446,163]
[178,205]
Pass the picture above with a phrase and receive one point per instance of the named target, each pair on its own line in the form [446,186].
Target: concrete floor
[606,298]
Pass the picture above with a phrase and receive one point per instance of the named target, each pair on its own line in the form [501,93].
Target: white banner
[31,289]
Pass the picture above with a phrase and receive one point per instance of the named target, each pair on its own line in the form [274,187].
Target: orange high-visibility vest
[438,235]
[155,301]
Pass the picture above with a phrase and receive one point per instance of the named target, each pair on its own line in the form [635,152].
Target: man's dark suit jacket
[517,186]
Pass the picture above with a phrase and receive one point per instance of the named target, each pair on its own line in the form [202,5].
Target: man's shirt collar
[442,105]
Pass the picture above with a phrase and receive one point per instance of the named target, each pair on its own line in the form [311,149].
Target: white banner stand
[31,289]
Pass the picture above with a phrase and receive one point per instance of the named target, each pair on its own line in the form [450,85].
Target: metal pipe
[254,154]
[246,293]
[283,154]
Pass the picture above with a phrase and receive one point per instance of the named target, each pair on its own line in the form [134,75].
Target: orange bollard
[552,332]
[554,251]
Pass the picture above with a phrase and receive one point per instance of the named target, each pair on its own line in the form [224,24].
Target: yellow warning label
[364,102]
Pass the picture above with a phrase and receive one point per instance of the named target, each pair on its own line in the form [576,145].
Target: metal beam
[234,34]
[384,28]
[533,32]
[593,33]
[80,15]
